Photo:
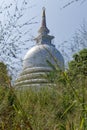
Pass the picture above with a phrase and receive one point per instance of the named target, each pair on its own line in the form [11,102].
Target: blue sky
[62,22]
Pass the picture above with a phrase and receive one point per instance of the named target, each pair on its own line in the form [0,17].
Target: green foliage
[79,63]
[62,106]
[4,78]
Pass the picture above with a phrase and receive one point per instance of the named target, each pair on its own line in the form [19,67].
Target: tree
[78,80]
[14,33]
[70,2]
[75,44]
[4,77]
[78,66]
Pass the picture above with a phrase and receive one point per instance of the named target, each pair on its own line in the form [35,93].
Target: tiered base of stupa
[32,77]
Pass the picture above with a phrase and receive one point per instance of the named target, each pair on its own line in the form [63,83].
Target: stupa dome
[39,59]
[41,55]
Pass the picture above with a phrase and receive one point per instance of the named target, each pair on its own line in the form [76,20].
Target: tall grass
[63,107]
[60,107]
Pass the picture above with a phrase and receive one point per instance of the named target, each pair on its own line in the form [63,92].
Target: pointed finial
[43,28]
[43,18]
[43,11]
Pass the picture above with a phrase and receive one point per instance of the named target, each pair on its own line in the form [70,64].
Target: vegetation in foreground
[63,107]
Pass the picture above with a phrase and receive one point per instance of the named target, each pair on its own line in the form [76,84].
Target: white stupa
[36,61]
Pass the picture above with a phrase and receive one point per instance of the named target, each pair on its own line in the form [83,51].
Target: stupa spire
[43,18]
[43,29]
[43,37]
